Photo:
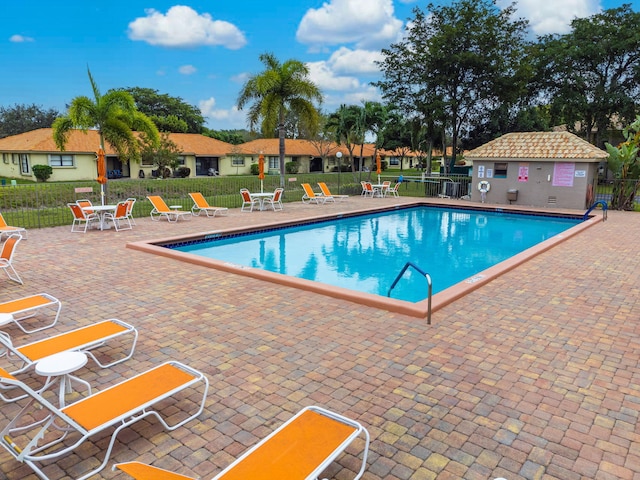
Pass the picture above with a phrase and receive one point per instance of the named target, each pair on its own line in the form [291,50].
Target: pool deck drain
[532,376]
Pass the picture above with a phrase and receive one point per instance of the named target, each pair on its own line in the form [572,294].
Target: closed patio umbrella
[261,172]
[102,172]
[378,167]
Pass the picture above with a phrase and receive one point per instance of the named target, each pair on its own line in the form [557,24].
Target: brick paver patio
[533,376]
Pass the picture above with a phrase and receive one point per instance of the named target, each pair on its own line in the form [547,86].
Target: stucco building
[542,169]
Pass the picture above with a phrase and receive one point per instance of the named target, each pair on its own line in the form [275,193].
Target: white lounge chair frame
[309,440]
[7,230]
[160,209]
[84,339]
[310,196]
[59,431]
[326,193]
[6,257]
[27,307]
[200,204]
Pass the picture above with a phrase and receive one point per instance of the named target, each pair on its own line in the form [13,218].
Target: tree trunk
[281,137]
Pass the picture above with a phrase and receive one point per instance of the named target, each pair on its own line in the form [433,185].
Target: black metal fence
[39,205]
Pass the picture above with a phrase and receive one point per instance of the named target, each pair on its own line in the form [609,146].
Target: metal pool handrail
[426,276]
[604,210]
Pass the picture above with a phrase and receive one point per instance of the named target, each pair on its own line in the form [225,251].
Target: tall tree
[624,162]
[24,118]
[592,73]
[279,89]
[456,63]
[346,125]
[170,114]
[115,117]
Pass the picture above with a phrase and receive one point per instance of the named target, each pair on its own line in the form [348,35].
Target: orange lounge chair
[326,193]
[6,257]
[84,339]
[57,432]
[27,307]
[200,204]
[160,209]
[8,229]
[302,448]
[310,196]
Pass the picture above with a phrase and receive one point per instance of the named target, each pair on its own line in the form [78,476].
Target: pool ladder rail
[429,285]
[604,206]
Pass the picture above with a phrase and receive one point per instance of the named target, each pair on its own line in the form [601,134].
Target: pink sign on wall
[523,172]
[563,174]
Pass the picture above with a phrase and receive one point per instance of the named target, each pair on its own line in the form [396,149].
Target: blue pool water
[365,253]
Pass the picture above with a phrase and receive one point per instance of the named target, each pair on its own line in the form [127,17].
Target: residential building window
[61,160]
[15,158]
[181,160]
[394,161]
[274,163]
[5,157]
[500,170]
[237,161]
[24,164]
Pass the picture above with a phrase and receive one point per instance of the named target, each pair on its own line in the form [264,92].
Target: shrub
[255,169]
[42,172]
[291,167]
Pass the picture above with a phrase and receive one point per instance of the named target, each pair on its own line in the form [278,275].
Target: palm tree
[280,88]
[115,117]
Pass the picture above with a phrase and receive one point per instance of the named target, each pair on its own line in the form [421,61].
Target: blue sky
[202,51]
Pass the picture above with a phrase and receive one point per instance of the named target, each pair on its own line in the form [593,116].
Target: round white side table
[58,368]
[5,318]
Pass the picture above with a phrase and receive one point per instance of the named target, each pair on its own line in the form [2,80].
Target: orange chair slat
[70,340]
[158,203]
[295,451]
[141,471]
[200,201]
[104,406]
[5,374]
[24,304]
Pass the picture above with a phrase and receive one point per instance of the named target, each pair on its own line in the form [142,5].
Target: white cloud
[547,16]
[187,69]
[365,23]
[20,39]
[222,119]
[240,78]
[183,27]
[325,78]
[345,60]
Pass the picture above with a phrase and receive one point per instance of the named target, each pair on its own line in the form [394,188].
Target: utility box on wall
[540,169]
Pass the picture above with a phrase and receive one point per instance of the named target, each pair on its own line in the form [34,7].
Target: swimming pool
[465,221]
[365,253]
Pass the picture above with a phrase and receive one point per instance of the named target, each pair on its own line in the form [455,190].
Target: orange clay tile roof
[297,147]
[41,140]
[547,145]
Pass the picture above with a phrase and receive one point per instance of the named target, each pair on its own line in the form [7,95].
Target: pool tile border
[418,309]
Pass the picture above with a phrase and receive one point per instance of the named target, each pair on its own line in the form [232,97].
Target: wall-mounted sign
[523,172]
[563,174]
